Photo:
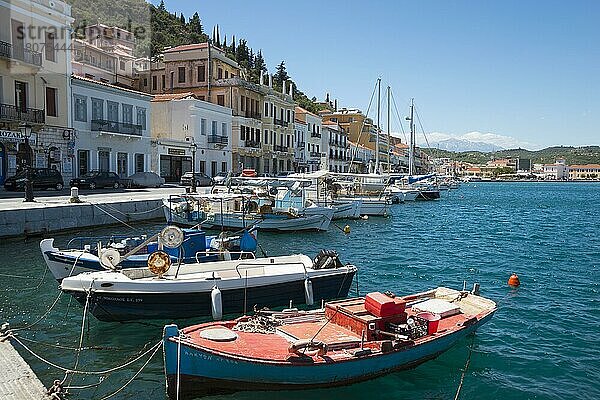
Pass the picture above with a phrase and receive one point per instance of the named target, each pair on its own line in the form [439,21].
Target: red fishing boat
[346,341]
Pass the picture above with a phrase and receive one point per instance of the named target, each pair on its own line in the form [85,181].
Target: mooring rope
[115,218]
[462,376]
[41,281]
[64,369]
[78,351]
[130,213]
[134,375]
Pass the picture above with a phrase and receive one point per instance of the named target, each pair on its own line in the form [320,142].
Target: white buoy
[216,304]
[308,292]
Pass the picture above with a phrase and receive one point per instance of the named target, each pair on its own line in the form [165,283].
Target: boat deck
[342,341]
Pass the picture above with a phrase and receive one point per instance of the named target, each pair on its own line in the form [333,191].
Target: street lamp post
[193,148]
[26,131]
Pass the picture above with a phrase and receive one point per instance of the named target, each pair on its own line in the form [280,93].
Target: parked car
[201,179]
[43,178]
[284,174]
[97,179]
[220,178]
[146,179]
[248,173]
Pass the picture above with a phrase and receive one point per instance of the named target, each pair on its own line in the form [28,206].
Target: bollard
[75,195]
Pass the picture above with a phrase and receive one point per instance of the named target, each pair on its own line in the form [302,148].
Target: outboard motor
[327,259]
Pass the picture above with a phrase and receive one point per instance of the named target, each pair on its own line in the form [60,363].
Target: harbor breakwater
[41,218]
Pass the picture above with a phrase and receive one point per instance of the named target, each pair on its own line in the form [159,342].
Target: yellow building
[35,70]
[584,172]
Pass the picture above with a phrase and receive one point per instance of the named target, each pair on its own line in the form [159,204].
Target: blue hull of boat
[205,373]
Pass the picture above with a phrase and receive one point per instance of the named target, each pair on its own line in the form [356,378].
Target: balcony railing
[315,154]
[280,148]
[252,143]
[9,112]
[279,122]
[254,115]
[315,134]
[217,139]
[7,50]
[102,125]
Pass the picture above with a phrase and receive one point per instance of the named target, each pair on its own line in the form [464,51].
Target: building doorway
[103,160]
[122,165]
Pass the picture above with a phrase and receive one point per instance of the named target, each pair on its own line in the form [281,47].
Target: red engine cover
[384,306]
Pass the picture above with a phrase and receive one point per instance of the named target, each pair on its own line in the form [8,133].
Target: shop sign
[176,152]
[13,136]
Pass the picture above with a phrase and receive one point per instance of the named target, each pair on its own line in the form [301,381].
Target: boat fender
[308,347]
[308,292]
[216,304]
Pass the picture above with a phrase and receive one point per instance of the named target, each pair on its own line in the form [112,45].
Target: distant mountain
[460,145]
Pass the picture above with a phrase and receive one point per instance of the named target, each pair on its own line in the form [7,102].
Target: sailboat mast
[377,138]
[388,132]
[411,149]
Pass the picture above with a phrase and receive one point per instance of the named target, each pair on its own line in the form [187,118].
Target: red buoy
[514,280]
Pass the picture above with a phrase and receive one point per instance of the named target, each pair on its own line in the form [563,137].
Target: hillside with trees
[158,28]
[572,155]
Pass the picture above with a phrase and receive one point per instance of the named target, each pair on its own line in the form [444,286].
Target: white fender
[216,304]
[308,292]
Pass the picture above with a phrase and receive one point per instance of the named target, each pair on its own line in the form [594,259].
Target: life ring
[308,348]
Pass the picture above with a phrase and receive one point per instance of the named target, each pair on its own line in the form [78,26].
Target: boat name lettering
[206,357]
[122,299]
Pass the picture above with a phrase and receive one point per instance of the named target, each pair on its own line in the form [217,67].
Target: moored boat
[82,253]
[348,341]
[211,288]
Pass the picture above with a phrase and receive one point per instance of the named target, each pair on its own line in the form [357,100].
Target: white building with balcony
[180,120]
[300,148]
[316,154]
[35,53]
[111,128]
[337,141]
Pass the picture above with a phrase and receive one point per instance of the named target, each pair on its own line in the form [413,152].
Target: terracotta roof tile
[173,96]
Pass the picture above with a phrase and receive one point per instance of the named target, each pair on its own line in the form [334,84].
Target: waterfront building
[558,170]
[263,118]
[112,127]
[317,147]
[338,146]
[584,172]
[300,146]
[183,124]
[361,159]
[35,68]
[361,130]
[106,54]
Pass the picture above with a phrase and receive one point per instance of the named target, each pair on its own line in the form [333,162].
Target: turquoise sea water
[543,343]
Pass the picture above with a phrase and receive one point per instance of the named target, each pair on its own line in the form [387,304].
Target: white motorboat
[210,288]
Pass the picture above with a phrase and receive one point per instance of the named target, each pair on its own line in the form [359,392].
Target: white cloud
[506,142]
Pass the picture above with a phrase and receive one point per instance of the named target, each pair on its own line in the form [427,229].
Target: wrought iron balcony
[280,148]
[252,143]
[254,115]
[7,50]
[124,128]
[279,122]
[9,112]
[315,134]
[217,139]
[315,154]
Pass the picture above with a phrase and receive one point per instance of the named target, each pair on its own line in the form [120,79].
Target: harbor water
[543,342]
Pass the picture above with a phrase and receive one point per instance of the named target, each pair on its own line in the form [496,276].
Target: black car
[43,178]
[201,179]
[97,179]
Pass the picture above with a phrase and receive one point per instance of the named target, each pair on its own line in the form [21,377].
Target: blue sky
[527,70]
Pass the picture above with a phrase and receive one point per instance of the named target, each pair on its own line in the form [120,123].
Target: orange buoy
[514,280]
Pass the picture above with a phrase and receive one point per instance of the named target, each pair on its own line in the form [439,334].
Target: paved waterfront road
[14,200]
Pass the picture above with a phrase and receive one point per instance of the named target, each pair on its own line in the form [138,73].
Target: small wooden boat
[348,341]
[211,288]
